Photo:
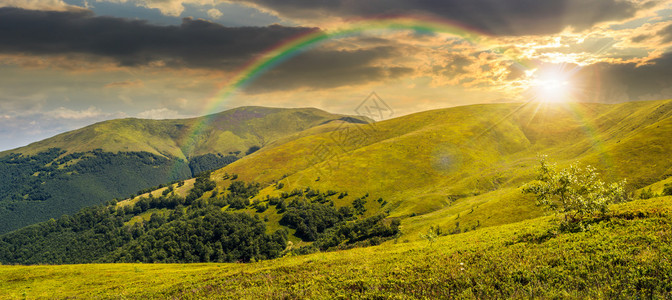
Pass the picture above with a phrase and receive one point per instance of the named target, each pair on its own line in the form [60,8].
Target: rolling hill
[467,162]
[115,158]
[459,168]
[456,173]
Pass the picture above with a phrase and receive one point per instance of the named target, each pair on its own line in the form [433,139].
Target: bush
[574,191]
[252,150]
[647,194]
[667,190]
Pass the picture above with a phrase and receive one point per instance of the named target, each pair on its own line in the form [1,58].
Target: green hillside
[113,159]
[468,161]
[439,194]
[460,168]
[229,131]
[623,256]
[205,225]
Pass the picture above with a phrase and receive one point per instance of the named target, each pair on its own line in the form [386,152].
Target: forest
[51,183]
[204,226]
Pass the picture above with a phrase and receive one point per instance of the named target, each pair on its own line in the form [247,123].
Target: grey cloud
[647,82]
[612,83]
[323,68]
[640,38]
[498,17]
[195,43]
[666,33]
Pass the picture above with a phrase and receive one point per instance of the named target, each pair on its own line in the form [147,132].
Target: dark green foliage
[47,185]
[347,235]
[281,206]
[190,229]
[240,189]
[84,237]
[647,194]
[346,212]
[667,190]
[252,150]
[195,233]
[329,227]
[261,207]
[216,237]
[169,202]
[240,193]
[167,191]
[311,212]
[358,204]
[310,219]
[202,184]
[209,162]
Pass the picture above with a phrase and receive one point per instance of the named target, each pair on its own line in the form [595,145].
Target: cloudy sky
[65,64]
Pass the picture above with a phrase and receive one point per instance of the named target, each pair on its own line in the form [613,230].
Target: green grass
[437,168]
[479,154]
[627,255]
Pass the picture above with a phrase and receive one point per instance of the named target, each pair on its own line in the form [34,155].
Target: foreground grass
[627,255]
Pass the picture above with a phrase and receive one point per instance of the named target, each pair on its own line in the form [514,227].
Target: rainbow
[298,44]
[308,40]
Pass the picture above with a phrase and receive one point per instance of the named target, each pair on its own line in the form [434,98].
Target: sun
[552,85]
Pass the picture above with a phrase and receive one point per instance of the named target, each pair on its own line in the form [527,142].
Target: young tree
[574,191]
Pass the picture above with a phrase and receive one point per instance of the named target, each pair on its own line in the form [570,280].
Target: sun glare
[552,86]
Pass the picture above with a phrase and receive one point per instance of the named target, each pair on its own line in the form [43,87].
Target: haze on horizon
[70,63]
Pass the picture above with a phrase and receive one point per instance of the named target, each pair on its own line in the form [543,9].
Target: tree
[667,190]
[575,191]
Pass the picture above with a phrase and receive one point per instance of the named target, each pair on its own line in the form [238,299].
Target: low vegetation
[624,254]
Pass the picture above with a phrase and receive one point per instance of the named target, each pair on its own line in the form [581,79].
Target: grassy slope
[479,155]
[626,256]
[228,131]
[463,167]
[444,166]
[234,130]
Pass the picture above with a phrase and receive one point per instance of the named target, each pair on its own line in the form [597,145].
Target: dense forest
[205,226]
[50,184]
[208,162]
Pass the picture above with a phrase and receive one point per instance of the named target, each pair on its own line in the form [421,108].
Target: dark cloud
[666,33]
[322,68]
[515,72]
[605,82]
[499,17]
[640,38]
[457,65]
[195,43]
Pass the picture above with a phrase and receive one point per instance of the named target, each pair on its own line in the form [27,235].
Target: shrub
[574,191]
[667,190]
[252,150]
[647,194]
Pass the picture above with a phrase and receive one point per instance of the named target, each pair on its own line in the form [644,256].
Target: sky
[65,64]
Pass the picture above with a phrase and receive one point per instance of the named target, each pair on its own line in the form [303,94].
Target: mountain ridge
[115,158]
[101,135]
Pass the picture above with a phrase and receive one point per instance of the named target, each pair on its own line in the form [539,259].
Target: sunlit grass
[627,256]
